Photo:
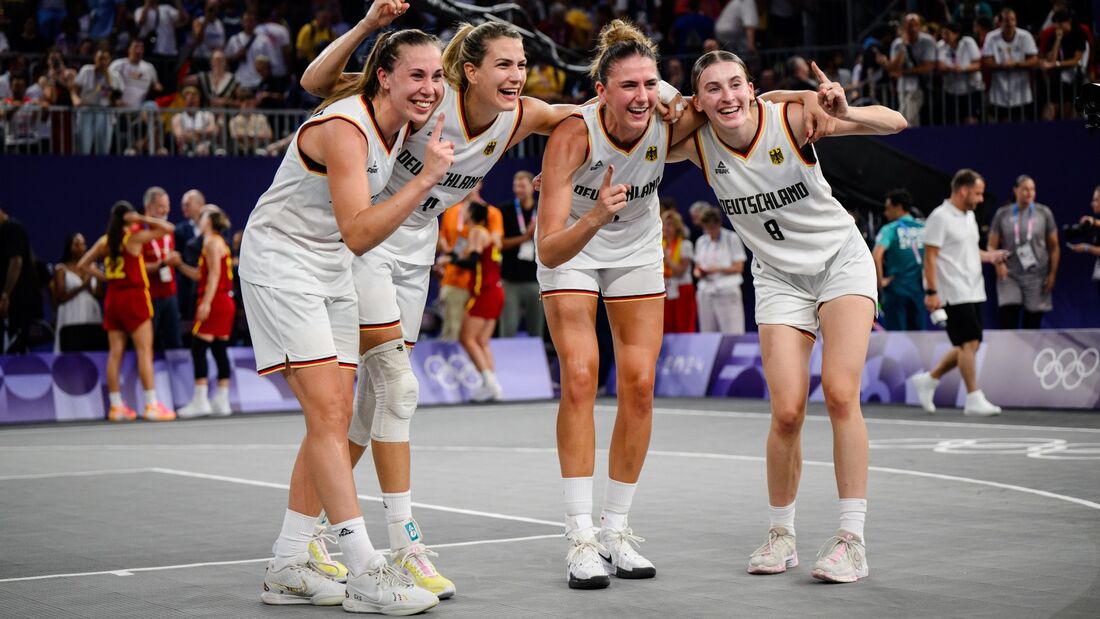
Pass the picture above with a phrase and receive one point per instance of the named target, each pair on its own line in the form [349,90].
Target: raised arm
[684,150]
[342,148]
[866,120]
[325,74]
[559,241]
[157,229]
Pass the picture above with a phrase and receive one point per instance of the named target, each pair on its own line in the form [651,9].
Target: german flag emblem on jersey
[651,153]
[777,155]
[489,148]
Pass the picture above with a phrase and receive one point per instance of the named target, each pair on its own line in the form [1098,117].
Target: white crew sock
[616,504]
[201,394]
[150,396]
[222,393]
[296,534]
[115,398]
[398,505]
[853,513]
[359,553]
[782,517]
[578,502]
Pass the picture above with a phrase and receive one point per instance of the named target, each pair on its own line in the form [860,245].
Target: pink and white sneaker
[776,555]
[843,558]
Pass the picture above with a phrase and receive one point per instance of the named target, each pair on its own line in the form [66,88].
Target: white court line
[131,571]
[74,474]
[897,422]
[717,456]
[155,446]
[365,497]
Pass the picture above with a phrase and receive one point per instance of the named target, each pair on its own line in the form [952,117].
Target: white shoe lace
[853,552]
[767,547]
[389,577]
[624,541]
[321,537]
[419,554]
[584,551]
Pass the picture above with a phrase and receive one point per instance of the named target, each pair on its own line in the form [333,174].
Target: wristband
[929,292]
[666,92]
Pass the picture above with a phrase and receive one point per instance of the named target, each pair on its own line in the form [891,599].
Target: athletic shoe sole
[596,582]
[282,599]
[640,573]
[791,561]
[826,577]
[356,606]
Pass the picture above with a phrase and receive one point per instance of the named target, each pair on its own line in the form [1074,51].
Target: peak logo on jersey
[651,153]
[776,155]
[372,169]
[597,166]
[721,169]
[489,148]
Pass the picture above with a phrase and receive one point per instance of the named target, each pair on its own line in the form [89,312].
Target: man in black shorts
[953,281]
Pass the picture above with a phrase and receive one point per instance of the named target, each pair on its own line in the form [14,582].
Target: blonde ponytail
[619,39]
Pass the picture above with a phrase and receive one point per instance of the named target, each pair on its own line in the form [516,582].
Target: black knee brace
[221,358]
[198,357]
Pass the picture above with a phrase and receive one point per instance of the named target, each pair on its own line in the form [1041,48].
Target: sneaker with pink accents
[159,412]
[776,555]
[843,558]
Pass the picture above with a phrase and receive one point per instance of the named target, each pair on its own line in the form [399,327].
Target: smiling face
[415,83]
[630,93]
[501,75]
[723,94]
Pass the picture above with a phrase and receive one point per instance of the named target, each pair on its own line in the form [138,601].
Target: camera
[1088,105]
[1082,232]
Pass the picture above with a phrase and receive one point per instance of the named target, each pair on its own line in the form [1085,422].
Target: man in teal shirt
[899,256]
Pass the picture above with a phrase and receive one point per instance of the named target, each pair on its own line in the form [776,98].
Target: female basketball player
[295,271]
[482,256]
[811,268]
[214,314]
[128,309]
[486,71]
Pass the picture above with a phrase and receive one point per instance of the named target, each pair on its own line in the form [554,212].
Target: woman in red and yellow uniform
[215,311]
[128,309]
[680,308]
[486,300]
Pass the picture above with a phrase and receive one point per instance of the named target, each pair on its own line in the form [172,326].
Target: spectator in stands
[271,91]
[1027,230]
[967,11]
[157,25]
[161,258]
[218,85]
[912,58]
[1062,52]
[555,26]
[691,29]
[953,281]
[76,294]
[134,76]
[1087,241]
[517,269]
[207,34]
[249,129]
[188,241]
[719,261]
[798,74]
[17,67]
[314,36]
[546,82]
[22,116]
[244,47]
[960,61]
[899,257]
[93,93]
[1010,53]
[581,27]
[834,69]
[194,129]
[695,211]
[674,74]
[680,309]
[20,301]
[736,26]
[276,33]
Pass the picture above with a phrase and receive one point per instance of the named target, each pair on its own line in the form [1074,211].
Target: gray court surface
[967,518]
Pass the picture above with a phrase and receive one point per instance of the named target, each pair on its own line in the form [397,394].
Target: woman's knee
[841,399]
[787,418]
[580,379]
[636,385]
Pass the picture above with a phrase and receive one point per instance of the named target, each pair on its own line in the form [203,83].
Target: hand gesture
[383,12]
[932,302]
[830,95]
[202,312]
[537,182]
[612,198]
[439,155]
[672,112]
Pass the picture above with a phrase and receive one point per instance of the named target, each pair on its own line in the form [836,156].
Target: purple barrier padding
[45,387]
[683,367]
[447,376]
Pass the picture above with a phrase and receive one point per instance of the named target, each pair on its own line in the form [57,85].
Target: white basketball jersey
[414,242]
[292,240]
[634,237]
[775,195]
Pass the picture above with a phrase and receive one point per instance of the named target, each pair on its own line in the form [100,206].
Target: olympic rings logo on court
[1067,368]
[452,371]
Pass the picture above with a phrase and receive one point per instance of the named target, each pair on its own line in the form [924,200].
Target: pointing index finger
[821,77]
[438,130]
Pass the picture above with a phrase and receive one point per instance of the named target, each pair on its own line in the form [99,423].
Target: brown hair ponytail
[384,55]
[619,39]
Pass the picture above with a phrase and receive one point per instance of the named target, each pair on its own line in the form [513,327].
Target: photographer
[1084,237]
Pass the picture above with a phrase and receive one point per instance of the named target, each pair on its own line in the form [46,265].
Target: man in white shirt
[912,56]
[245,46]
[953,281]
[736,26]
[1010,53]
[133,75]
[161,21]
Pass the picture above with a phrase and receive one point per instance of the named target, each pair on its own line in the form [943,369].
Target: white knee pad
[362,412]
[393,391]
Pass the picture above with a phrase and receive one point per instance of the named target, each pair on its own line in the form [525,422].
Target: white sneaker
[584,566]
[776,555]
[383,589]
[297,583]
[484,393]
[498,393]
[978,406]
[843,558]
[220,406]
[925,387]
[620,558]
[197,408]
